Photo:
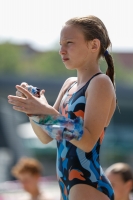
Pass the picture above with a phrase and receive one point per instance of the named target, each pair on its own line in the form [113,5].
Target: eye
[69,42]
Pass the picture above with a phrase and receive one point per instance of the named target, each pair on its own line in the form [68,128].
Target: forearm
[55,125]
[59,127]
[40,133]
[82,139]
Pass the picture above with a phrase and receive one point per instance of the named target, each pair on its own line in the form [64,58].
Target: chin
[69,67]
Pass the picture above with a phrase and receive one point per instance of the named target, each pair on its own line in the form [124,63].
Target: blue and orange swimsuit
[74,166]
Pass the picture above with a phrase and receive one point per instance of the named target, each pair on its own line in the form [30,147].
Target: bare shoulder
[102,83]
[102,79]
[68,82]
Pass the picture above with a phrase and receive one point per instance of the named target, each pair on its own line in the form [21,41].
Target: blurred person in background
[81,113]
[28,172]
[121,178]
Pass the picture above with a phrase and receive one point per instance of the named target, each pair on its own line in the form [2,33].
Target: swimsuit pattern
[74,166]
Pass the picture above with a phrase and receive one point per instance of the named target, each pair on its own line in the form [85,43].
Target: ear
[129,185]
[95,45]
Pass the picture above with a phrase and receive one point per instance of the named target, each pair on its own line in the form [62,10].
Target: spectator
[28,172]
[121,178]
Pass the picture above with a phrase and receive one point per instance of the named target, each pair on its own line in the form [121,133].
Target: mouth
[65,59]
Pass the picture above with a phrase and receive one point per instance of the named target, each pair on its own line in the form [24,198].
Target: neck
[86,73]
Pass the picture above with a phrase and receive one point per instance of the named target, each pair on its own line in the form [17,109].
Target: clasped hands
[25,102]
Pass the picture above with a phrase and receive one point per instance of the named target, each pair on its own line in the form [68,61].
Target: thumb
[42,92]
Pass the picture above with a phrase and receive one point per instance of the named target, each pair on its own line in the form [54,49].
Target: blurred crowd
[28,174]
[29,184]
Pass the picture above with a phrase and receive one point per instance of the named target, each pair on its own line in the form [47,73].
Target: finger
[20,109]
[42,92]
[24,91]
[16,98]
[24,84]
[11,102]
[17,103]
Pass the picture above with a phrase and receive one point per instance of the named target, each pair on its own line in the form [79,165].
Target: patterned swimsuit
[74,166]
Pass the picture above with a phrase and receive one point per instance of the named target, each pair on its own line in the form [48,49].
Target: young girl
[81,113]
[121,177]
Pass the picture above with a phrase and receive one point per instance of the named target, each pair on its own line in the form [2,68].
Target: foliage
[9,58]
[23,60]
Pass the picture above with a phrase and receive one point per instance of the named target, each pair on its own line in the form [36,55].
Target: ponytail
[110,69]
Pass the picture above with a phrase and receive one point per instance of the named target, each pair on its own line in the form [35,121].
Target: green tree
[9,58]
[22,60]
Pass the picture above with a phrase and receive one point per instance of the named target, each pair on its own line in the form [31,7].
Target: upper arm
[99,108]
[99,97]
[65,86]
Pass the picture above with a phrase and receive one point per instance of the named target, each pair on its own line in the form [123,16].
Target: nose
[62,50]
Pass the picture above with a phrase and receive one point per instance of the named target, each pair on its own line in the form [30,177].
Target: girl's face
[74,50]
[121,188]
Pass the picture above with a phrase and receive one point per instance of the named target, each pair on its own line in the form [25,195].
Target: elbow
[86,144]
[87,148]
[88,141]
[89,145]
[46,141]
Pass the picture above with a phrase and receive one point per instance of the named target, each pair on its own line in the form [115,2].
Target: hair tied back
[106,53]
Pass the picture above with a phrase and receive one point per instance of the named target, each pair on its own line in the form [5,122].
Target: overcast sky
[38,22]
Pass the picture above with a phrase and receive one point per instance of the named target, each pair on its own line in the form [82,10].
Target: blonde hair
[27,165]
